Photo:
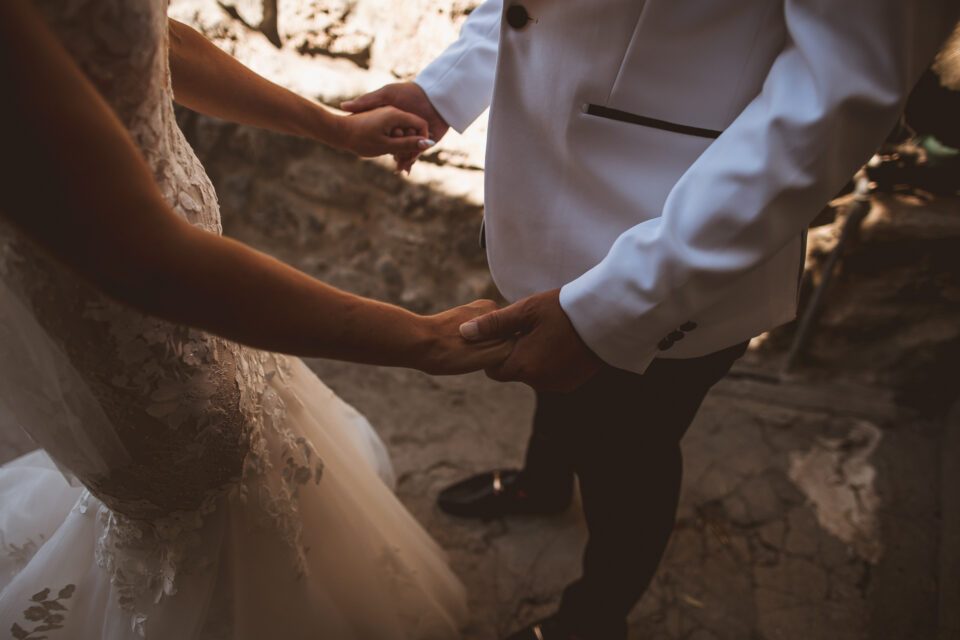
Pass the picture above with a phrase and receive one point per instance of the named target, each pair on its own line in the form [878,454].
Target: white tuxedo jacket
[660,160]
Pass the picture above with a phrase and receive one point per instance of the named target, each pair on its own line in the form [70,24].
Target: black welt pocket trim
[632,118]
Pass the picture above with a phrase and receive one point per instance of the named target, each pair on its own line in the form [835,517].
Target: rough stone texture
[950,530]
[948,62]
[892,315]
[768,571]
[333,50]
[371,33]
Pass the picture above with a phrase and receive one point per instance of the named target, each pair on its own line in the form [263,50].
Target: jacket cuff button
[665,344]
[688,326]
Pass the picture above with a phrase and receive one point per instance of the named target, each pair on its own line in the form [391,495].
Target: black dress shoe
[547,629]
[494,494]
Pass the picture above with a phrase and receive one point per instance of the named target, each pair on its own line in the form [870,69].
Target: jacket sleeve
[459,82]
[831,96]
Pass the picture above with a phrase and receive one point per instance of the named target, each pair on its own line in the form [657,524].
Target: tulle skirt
[368,571]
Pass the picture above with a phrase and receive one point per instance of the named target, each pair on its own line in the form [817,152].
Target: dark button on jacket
[517,16]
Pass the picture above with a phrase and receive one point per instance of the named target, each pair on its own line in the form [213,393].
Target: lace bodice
[122,48]
[182,401]
[191,412]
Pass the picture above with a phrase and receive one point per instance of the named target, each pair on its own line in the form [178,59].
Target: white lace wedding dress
[187,487]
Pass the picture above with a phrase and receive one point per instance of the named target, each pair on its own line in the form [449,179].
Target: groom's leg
[547,474]
[629,466]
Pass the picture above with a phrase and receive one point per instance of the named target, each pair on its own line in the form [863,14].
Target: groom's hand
[409,97]
[548,355]
[371,133]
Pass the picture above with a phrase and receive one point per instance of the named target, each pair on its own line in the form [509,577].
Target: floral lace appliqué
[20,553]
[45,614]
[279,462]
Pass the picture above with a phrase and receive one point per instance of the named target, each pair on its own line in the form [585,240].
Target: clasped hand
[410,99]
[530,341]
[382,130]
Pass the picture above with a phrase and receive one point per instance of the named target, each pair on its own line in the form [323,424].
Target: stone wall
[891,317]
[332,50]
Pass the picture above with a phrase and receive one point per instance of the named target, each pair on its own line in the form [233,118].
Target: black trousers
[619,435]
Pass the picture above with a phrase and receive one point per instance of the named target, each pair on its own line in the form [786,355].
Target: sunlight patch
[838,479]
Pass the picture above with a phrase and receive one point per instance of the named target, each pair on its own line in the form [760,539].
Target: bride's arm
[208,80]
[73,182]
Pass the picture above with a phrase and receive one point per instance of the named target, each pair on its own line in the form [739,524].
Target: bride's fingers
[407,154]
[412,124]
[402,161]
[405,160]
[408,145]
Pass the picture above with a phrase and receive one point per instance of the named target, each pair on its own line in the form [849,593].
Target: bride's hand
[447,353]
[382,131]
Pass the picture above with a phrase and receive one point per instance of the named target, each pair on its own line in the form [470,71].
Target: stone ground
[808,511]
